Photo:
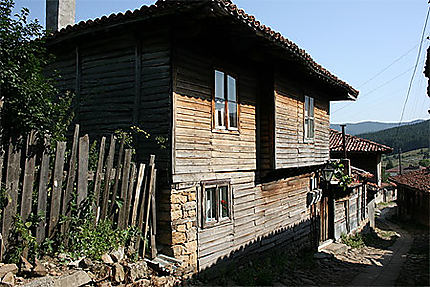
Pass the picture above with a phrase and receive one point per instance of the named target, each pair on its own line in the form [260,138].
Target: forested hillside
[408,137]
[369,126]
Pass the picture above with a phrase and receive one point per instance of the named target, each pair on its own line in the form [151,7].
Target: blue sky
[354,39]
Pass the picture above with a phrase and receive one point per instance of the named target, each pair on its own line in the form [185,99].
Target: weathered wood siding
[263,214]
[291,149]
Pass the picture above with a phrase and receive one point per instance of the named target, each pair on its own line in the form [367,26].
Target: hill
[369,126]
[410,137]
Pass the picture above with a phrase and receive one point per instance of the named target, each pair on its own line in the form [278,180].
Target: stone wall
[184,226]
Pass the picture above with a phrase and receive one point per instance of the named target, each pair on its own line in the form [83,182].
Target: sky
[371,44]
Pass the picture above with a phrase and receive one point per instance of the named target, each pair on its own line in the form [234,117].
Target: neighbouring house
[413,194]
[244,113]
[362,153]
[405,169]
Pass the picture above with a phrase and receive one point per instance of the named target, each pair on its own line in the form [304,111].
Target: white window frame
[309,119]
[224,113]
[219,219]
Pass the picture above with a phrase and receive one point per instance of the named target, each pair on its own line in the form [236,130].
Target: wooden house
[362,153]
[244,111]
[413,195]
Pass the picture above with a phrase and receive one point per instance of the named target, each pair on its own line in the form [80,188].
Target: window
[225,116]
[309,125]
[216,202]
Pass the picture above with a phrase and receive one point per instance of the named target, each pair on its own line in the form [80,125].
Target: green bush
[354,241]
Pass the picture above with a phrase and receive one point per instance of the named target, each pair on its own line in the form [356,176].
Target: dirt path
[388,270]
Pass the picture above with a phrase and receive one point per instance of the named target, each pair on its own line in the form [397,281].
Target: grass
[354,241]
[408,158]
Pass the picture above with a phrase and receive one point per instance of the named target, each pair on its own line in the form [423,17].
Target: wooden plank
[84,143]
[70,179]
[138,192]
[12,186]
[57,187]
[153,218]
[98,178]
[148,205]
[143,200]
[108,173]
[43,193]
[117,175]
[124,189]
[130,193]
[29,170]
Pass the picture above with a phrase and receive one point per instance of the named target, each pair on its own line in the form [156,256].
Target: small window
[225,116]
[216,202]
[309,126]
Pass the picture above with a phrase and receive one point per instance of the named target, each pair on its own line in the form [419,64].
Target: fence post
[29,170]
[84,144]
[108,173]
[43,193]
[57,187]
[66,211]
[98,178]
[124,188]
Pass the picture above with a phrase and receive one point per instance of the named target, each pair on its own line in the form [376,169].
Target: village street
[391,256]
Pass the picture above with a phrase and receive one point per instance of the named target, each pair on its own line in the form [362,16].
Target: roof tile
[355,144]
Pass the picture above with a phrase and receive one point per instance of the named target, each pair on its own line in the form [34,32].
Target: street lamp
[327,173]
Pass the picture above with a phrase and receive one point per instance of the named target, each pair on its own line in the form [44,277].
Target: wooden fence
[36,183]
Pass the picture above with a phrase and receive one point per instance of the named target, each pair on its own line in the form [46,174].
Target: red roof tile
[355,144]
[163,6]
[419,179]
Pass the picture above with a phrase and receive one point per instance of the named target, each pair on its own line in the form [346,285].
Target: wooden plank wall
[290,148]
[275,209]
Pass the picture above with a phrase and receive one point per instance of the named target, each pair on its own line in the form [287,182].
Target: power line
[413,74]
[375,89]
[387,67]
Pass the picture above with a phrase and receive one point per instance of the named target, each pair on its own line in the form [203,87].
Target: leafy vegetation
[31,100]
[354,241]
[408,137]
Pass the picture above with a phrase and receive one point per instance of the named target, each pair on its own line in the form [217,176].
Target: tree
[30,98]
[389,164]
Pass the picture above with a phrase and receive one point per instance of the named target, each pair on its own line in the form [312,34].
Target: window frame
[219,220]
[227,127]
[307,118]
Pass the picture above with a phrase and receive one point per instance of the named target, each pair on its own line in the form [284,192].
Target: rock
[102,272]
[39,269]
[104,284]
[118,255]
[86,263]
[107,259]
[74,264]
[118,273]
[78,278]
[25,265]
[137,271]
[41,282]
[8,279]
[6,268]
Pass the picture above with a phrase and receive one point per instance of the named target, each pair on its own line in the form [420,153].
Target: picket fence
[29,173]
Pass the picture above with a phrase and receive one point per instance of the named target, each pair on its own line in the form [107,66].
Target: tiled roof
[166,7]
[419,179]
[355,144]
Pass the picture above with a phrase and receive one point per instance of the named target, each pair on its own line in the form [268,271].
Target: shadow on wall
[293,239]
[286,256]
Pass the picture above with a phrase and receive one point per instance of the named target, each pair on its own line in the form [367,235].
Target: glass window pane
[306,106]
[210,204]
[311,107]
[232,115]
[219,113]
[219,85]
[224,201]
[306,128]
[231,89]
[311,128]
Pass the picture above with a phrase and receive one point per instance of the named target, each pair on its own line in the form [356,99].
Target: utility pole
[400,161]
[343,141]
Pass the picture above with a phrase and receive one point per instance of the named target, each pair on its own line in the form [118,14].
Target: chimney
[59,14]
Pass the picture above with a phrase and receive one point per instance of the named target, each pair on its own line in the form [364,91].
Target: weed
[354,241]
